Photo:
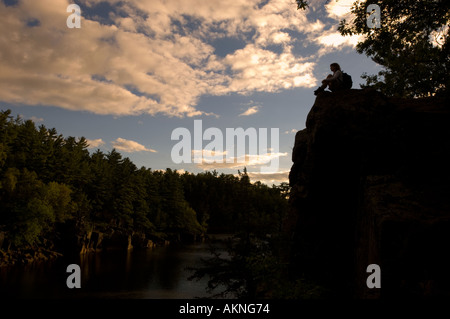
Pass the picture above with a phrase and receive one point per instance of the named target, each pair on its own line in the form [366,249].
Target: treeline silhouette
[47,180]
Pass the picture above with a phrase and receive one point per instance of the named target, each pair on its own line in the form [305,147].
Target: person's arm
[335,76]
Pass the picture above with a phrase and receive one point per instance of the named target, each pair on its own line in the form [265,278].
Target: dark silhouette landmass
[370,185]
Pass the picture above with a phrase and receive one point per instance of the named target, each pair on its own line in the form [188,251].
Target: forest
[47,180]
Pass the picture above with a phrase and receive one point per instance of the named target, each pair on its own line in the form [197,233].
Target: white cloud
[250,111]
[156,56]
[210,156]
[181,171]
[130,146]
[218,160]
[339,9]
[325,35]
[95,143]
[269,178]
[258,69]
[333,40]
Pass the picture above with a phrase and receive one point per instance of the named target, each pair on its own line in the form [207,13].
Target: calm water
[159,273]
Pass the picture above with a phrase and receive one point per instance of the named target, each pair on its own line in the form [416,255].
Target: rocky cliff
[370,185]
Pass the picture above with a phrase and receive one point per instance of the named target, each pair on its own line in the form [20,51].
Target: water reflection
[157,273]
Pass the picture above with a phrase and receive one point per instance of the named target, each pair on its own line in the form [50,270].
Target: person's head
[334,67]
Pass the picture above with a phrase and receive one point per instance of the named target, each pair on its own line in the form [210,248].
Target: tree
[31,207]
[411,45]
[51,186]
[180,218]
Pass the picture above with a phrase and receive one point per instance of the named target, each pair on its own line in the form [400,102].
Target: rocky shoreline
[83,243]
[26,256]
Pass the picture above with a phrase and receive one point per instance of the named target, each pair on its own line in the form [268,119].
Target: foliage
[47,180]
[251,267]
[301,4]
[411,45]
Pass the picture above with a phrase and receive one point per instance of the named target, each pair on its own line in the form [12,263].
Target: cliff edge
[370,185]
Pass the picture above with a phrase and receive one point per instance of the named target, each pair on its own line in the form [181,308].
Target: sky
[161,80]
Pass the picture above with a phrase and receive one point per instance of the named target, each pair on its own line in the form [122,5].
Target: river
[158,273]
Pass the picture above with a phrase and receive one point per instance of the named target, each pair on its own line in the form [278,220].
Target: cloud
[333,40]
[339,9]
[218,160]
[250,111]
[154,56]
[259,69]
[326,35]
[130,146]
[209,156]
[36,119]
[269,178]
[95,143]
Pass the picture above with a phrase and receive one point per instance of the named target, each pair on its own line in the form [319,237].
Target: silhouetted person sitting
[333,81]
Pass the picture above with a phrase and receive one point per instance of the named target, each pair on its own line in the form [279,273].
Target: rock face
[370,185]
[76,240]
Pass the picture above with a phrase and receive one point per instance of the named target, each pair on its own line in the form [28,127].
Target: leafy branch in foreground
[248,267]
[411,45]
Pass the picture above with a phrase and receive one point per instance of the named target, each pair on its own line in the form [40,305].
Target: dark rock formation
[26,256]
[92,242]
[76,239]
[370,185]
